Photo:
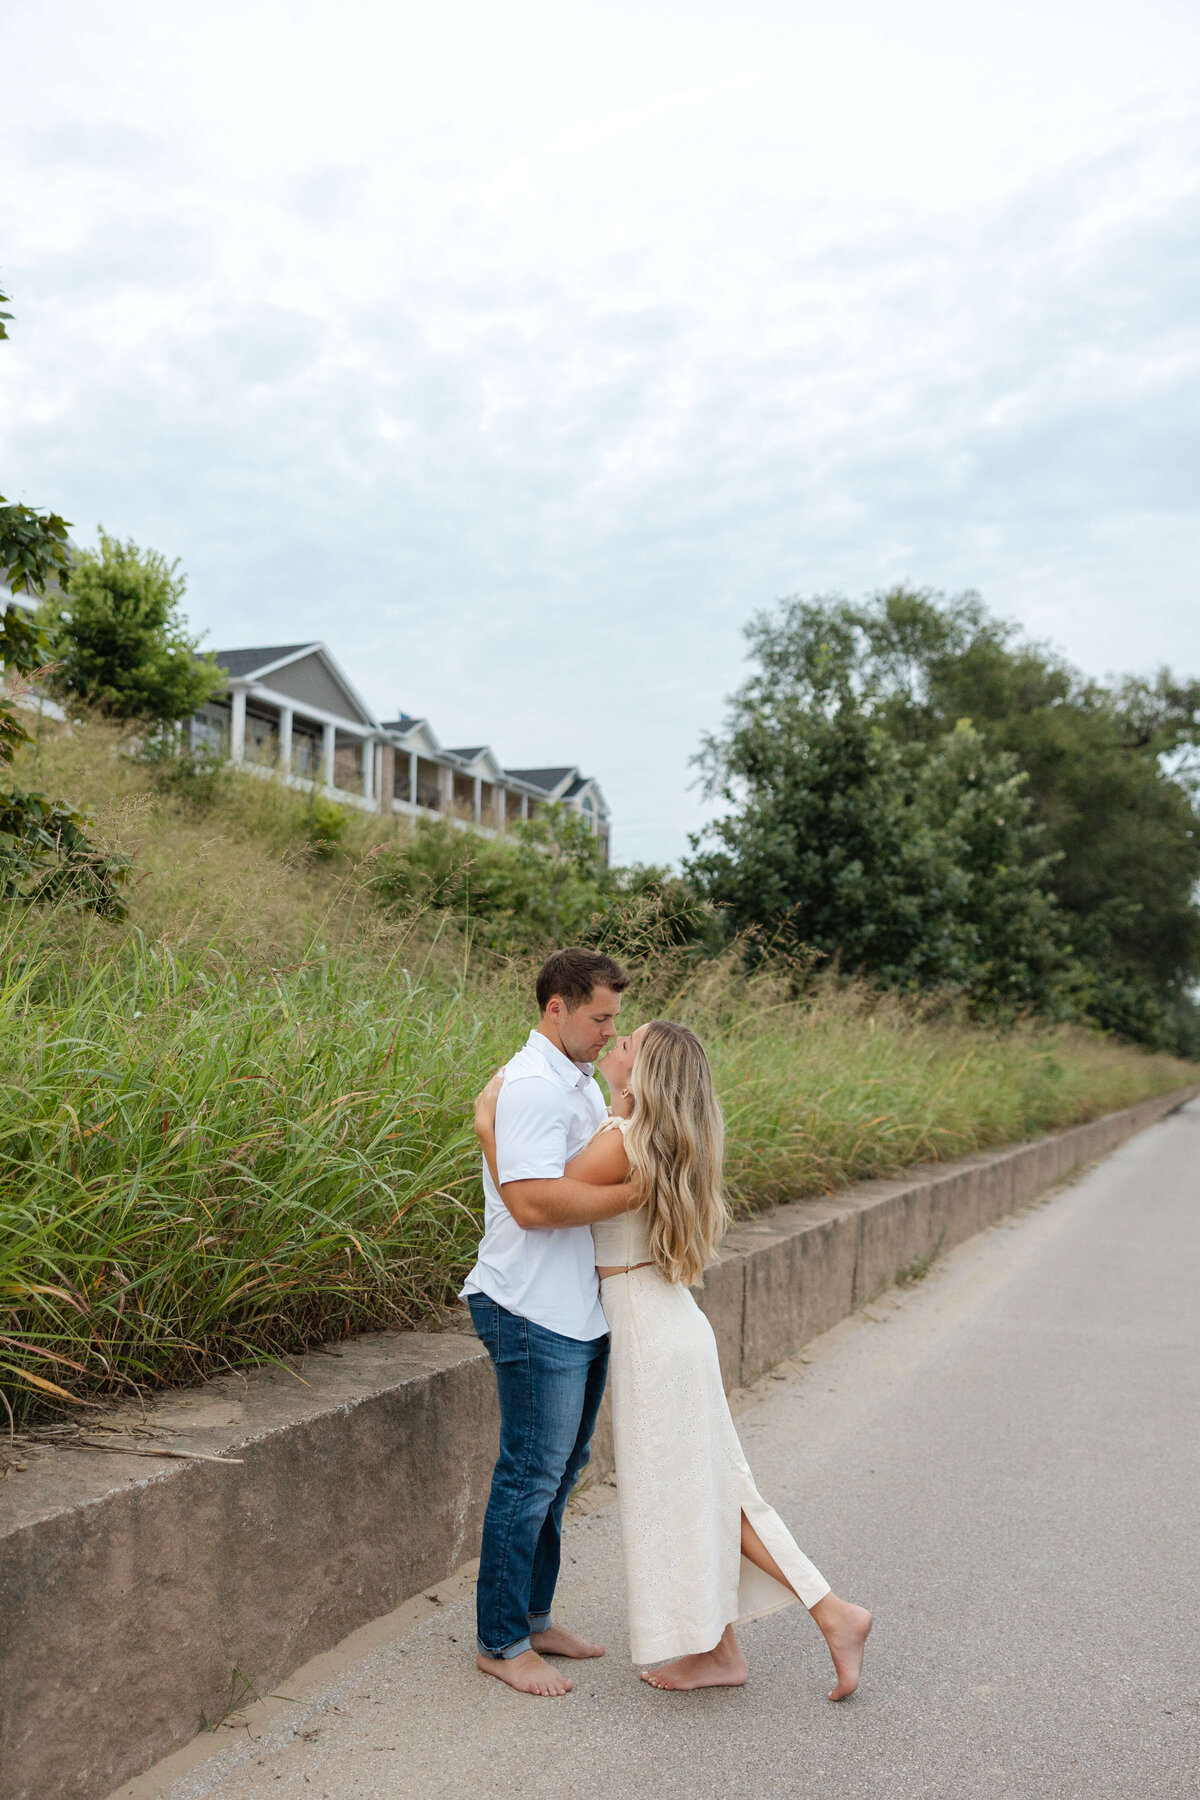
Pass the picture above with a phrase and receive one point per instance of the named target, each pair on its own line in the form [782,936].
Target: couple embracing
[597,1222]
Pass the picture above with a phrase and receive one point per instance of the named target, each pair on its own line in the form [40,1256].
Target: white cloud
[524,367]
[591,134]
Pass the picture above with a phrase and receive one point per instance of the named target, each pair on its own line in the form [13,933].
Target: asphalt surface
[1002,1462]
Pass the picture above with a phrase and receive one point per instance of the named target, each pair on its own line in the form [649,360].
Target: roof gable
[481,760]
[587,794]
[547,781]
[414,734]
[307,674]
[244,664]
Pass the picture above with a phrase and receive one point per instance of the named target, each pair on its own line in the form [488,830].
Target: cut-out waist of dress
[623,1242]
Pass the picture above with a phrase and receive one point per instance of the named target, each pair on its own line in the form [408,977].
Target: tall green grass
[207,1156]
[204,1161]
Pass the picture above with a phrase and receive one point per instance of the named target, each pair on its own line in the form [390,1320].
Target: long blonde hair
[675,1143]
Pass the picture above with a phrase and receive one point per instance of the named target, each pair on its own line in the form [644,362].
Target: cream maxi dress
[682,1480]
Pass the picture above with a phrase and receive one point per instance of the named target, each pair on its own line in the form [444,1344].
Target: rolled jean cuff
[508,1652]
[539,1621]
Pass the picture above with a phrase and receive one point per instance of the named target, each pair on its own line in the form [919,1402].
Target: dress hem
[680,1647]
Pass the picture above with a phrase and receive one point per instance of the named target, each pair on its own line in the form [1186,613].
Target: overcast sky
[522,352]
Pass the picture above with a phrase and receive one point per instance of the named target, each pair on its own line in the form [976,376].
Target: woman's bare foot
[557,1642]
[527,1673]
[723,1667]
[845,1629]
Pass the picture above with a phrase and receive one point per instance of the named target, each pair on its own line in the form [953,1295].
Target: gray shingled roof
[401,724]
[546,779]
[468,752]
[246,662]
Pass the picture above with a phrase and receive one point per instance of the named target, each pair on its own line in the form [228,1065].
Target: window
[307,747]
[210,728]
[348,763]
[464,794]
[262,737]
[429,784]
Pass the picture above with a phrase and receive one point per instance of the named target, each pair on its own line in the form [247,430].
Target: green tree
[560,857]
[45,848]
[119,640]
[1112,771]
[33,542]
[917,862]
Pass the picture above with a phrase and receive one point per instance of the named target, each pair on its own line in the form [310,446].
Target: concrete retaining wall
[131,1589]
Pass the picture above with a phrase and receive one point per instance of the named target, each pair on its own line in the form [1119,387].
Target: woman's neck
[622,1106]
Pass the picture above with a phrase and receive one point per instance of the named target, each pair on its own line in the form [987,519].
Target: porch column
[328,741]
[478,800]
[285,739]
[499,807]
[524,806]
[447,790]
[412,778]
[368,769]
[237,725]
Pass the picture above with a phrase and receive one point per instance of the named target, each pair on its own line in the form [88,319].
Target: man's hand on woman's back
[485,1104]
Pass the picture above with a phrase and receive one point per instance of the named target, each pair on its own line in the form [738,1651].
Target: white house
[291,709]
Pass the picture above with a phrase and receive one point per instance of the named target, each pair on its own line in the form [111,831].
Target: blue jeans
[550,1391]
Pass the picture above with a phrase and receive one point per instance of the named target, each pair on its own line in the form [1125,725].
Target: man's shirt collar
[571,1074]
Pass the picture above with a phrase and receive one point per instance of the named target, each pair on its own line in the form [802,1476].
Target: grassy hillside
[240,1122]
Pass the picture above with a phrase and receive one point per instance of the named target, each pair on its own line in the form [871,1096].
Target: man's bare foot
[723,1667]
[845,1629]
[557,1642]
[527,1673]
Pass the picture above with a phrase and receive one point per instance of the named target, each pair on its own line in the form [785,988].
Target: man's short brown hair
[574,974]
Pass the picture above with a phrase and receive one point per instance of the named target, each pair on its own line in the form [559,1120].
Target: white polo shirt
[549,1108]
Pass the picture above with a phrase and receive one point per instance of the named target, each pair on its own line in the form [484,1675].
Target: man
[535,1303]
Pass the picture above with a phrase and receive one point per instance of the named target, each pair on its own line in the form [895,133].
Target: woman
[703,1551]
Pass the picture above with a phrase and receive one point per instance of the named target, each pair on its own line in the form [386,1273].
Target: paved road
[1004,1464]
